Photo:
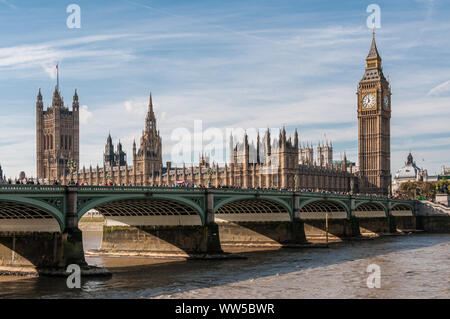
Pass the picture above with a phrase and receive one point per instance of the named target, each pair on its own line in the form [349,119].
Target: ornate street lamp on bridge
[71,166]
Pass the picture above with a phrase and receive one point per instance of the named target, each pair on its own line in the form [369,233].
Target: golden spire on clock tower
[373,60]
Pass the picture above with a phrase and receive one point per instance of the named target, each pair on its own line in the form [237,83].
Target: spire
[344,164]
[150,104]
[258,141]
[373,52]
[39,103]
[75,103]
[296,138]
[373,60]
[57,100]
[150,120]
[57,76]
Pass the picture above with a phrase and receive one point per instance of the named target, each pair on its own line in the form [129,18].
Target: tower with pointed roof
[57,136]
[306,154]
[374,113]
[325,154]
[108,155]
[149,154]
[120,157]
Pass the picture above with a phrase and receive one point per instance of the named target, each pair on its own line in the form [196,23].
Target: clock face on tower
[368,101]
[386,101]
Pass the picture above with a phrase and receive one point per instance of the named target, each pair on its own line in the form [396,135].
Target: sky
[229,64]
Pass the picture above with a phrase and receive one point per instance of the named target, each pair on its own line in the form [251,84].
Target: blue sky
[246,64]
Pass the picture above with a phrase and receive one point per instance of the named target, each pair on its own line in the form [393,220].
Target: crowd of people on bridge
[31,181]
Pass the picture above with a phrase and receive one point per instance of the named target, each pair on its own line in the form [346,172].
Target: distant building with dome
[410,172]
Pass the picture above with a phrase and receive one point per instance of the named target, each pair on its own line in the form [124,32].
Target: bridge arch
[402,208]
[253,205]
[314,206]
[19,207]
[370,205]
[370,209]
[138,206]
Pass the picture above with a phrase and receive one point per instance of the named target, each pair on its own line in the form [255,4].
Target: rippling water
[412,266]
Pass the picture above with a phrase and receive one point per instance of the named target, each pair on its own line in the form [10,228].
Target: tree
[414,189]
[443,186]
[428,189]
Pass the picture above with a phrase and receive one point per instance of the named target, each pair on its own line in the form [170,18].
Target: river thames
[412,266]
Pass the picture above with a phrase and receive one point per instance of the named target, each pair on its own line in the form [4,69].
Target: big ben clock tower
[374,114]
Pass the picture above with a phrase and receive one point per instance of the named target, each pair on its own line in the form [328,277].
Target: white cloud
[85,115]
[136,106]
[50,69]
[44,55]
[441,88]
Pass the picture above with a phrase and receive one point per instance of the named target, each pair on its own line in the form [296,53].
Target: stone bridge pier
[158,225]
[41,237]
[258,220]
[73,252]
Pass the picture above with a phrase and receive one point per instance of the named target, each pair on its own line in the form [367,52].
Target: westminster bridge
[39,223]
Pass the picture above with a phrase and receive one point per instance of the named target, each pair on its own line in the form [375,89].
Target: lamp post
[390,185]
[71,166]
[108,179]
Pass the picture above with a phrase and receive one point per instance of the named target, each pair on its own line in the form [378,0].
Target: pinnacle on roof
[373,52]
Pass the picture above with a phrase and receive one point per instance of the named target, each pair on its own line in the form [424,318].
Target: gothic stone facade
[374,114]
[57,136]
[272,163]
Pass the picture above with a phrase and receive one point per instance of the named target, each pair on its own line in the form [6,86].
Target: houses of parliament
[280,162]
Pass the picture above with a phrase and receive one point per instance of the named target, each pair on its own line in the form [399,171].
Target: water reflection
[413,266]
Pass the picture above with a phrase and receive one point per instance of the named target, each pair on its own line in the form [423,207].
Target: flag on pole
[57,76]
